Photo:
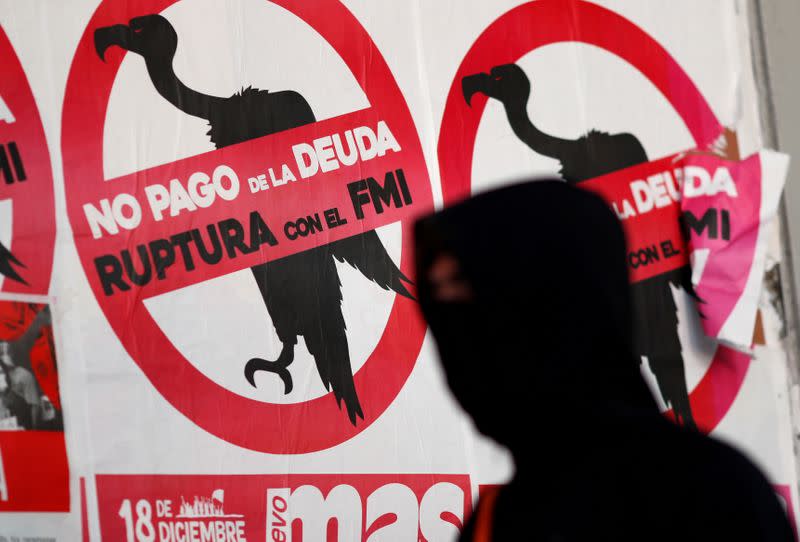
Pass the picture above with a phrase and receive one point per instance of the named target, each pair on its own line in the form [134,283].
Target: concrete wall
[775,42]
[775,31]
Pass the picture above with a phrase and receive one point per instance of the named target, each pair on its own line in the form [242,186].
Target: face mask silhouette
[526,292]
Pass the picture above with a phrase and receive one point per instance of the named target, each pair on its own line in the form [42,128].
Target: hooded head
[526,292]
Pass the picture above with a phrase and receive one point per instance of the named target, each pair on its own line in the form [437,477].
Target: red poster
[287,508]
[34,475]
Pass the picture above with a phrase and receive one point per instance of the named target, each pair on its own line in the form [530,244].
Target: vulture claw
[277,367]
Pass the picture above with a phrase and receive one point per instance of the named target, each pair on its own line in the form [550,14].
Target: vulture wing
[366,253]
[682,278]
[7,262]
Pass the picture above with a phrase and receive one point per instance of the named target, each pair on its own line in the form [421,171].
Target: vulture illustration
[302,292]
[594,154]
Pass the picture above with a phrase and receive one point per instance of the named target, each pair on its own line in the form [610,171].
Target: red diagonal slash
[276,205]
[654,238]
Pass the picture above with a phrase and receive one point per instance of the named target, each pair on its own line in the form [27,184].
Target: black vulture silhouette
[7,263]
[302,292]
[594,154]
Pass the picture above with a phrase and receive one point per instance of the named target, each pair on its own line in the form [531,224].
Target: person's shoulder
[731,492]
[713,458]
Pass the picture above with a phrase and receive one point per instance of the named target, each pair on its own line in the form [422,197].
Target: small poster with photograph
[34,474]
[29,398]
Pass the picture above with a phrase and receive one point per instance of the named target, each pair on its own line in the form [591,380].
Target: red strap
[485,515]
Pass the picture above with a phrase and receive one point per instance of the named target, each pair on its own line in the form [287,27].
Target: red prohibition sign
[27,180]
[274,428]
[545,22]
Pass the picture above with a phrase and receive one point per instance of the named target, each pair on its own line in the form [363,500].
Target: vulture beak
[471,84]
[111,35]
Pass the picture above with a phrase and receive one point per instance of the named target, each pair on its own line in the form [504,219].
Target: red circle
[275,428]
[545,22]
[33,208]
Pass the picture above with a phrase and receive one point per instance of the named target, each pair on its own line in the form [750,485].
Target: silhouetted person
[526,292]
